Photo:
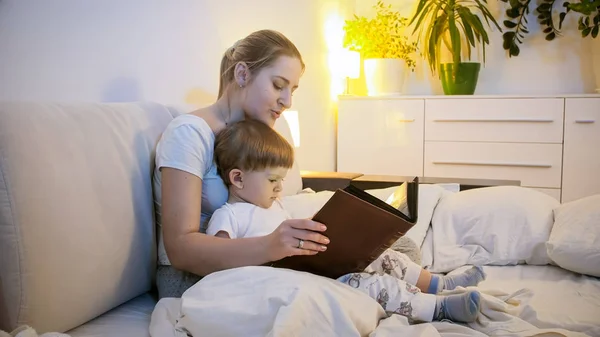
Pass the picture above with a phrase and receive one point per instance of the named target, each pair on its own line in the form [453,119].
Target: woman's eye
[277,87]
[273,181]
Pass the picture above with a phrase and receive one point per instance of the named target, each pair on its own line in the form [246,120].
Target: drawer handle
[406,120]
[510,120]
[476,163]
[585,121]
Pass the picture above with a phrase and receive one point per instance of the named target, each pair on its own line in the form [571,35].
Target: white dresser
[551,143]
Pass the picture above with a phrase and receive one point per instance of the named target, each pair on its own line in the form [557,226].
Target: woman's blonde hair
[250,145]
[258,50]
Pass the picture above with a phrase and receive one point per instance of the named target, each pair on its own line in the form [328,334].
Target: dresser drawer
[516,120]
[380,136]
[581,169]
[535,165]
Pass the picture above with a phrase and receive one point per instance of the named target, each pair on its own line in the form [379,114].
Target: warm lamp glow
[350,63]
[291,116]
[334,38]
[334,31]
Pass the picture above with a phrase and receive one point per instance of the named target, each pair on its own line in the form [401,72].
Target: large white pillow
[503,225]
[574,242]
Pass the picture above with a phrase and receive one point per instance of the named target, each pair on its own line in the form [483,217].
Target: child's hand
[296,237]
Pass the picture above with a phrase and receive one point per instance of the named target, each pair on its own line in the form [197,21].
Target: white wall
[163,51]
[169,52]
[563,66]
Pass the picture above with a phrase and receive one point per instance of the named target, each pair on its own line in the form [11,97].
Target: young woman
[259,75]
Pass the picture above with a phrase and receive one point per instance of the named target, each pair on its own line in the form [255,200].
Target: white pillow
[574,242]
[502,225]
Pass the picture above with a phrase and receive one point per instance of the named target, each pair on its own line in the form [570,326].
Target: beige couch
[77,231]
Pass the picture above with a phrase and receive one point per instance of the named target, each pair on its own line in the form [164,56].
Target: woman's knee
[172,282]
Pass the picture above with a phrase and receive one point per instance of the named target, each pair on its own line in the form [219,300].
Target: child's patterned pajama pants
[391,280]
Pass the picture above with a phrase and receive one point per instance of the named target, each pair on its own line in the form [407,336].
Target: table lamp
[291,116]
[350,67]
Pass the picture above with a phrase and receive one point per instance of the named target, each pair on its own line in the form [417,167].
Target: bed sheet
[560,298]
[263,301]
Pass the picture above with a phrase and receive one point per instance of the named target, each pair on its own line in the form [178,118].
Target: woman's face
[270,90]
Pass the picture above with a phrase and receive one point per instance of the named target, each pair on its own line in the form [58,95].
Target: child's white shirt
[244,220]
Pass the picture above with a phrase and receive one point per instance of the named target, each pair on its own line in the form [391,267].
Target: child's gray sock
[458,307]
[470,277]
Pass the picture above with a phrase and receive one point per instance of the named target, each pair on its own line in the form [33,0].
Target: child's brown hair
[251,145]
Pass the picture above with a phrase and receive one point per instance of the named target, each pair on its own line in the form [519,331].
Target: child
[253,159]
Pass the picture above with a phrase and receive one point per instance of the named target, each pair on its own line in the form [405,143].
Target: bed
[542,274]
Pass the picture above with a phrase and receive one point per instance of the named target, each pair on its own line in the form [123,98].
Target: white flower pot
[384,76]
[596,61]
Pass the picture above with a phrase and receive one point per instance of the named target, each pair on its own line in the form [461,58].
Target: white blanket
[263,301]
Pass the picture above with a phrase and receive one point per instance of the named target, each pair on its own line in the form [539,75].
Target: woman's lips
[276,114]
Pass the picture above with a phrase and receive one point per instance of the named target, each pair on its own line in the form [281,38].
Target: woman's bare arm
[201,254]
[186,247]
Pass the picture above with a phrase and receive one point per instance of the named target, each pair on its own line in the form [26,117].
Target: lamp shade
[291,116]
[350,63]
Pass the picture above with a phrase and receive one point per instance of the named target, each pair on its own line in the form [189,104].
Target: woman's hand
[296,237]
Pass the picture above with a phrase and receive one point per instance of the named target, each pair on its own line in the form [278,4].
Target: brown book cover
[360,227]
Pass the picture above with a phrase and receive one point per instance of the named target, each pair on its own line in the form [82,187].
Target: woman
[259,75]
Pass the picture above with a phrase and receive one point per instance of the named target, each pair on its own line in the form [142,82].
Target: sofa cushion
[76,209]
[131,319]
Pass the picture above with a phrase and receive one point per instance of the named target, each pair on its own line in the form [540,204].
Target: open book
[360,227]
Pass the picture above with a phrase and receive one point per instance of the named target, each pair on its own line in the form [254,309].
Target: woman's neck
[229,109]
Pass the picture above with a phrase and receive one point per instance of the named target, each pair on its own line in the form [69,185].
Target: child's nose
[278,187]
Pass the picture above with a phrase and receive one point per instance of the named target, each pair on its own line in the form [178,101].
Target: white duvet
[264,301]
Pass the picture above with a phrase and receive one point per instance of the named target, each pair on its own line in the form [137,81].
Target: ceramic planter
[463,81]
[384,76]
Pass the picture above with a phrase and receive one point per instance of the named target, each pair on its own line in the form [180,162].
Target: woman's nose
[285,99]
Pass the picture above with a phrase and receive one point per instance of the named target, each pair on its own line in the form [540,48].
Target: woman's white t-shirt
[188,144]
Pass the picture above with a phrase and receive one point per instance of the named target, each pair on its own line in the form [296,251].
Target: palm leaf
[466,24]
[482,32]
[454,39]
[423,11]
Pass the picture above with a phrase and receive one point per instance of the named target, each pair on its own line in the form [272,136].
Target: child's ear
[237,178]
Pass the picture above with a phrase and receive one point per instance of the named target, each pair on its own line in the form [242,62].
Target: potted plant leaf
[453,26]
[384,48]
[588,23]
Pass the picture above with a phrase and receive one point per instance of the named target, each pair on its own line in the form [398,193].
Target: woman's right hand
[285,240]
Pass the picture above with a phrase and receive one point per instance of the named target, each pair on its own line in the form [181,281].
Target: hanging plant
[517,23]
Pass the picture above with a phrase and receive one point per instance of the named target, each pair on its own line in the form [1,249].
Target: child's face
[261,188]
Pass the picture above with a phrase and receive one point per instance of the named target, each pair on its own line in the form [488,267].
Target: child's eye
[273,180]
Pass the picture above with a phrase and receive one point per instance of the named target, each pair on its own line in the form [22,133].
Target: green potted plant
[384,48]
[453,26]
[517,25]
